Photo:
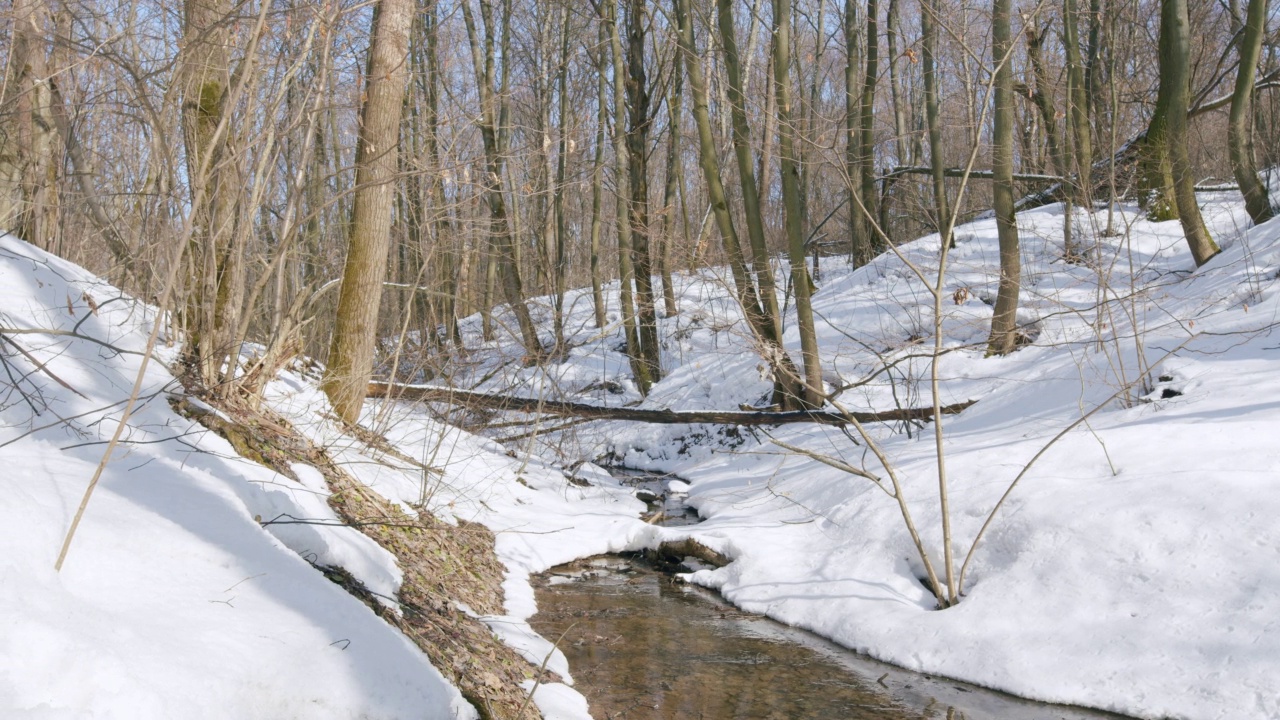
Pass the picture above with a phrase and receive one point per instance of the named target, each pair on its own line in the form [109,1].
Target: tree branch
[424,393]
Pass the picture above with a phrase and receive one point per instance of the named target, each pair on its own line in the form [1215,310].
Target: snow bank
[174,601]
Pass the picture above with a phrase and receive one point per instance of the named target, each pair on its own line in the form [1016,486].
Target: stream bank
[644,645]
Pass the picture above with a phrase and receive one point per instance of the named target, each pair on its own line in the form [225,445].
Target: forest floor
[1134,567]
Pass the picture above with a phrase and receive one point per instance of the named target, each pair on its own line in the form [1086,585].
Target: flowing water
[643,646]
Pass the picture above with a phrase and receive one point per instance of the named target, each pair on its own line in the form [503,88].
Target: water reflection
[644,647]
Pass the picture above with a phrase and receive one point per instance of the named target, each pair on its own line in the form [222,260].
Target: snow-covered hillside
[1135,566]
[174,600]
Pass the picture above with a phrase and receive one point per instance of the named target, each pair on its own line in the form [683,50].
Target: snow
[173,601]
[1133,568]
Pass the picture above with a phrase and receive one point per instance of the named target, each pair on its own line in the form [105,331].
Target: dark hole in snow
[1165,378]
[1167,393]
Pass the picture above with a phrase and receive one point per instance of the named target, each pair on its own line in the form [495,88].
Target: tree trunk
[597,185]
[901,139]
[1004,321]
[1175,75]
[638,126]
[669,189]
[491,125]
[866,144]
[560,260]
[760,271]
[1239,131]
[1077,116]
[792,211]
[937,163]
[860,244]
[355,325]
[27,126]
[622,162]
[1043,100]
[216,263]
[787,381]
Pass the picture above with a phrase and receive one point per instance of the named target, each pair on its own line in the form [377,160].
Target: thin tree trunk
[792,211]
[787,380]
[1004,321]
[216,272]
[937,163]
[597,182]
[866,149]
[559,266]
[491,130]
[760,272]
[1049,121]
[622,161]
[860,245]
[355,325]
[669,190]
[1077,116]
[901,138]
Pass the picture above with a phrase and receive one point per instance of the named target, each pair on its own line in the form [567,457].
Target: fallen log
[562,408]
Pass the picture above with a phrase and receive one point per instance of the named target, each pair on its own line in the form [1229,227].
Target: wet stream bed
[644,646]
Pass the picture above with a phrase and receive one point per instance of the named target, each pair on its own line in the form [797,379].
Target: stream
[643,646]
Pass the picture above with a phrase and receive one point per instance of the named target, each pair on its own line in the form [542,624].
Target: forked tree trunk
[787,381]
[355,325]
[759,272]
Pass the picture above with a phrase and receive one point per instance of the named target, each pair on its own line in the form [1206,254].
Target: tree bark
[507,263]
[356,323]
[1239,135]
[866,141]
[27,126]
[1004,321]
[597,184]
[787,380]
[543,406]
[666,238]
[622,166]
[639,122]
[860,246]
[792,210]
[1175,75]
[216,271]
[760,271]
[937,163]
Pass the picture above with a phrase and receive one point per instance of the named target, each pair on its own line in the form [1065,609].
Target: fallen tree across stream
[562,408]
